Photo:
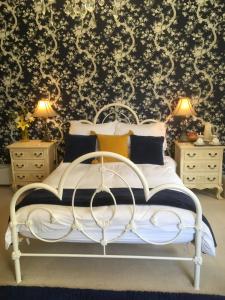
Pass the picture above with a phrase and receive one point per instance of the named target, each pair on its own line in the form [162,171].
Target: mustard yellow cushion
[113,143]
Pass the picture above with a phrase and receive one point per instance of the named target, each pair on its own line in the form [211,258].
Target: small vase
[208,132]
[24,135]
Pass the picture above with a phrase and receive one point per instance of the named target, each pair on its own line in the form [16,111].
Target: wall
[144,53]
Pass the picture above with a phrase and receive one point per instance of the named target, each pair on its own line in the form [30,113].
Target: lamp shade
[44,110]
[184,108]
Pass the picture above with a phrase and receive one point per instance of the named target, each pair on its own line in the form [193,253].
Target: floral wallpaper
[83,54]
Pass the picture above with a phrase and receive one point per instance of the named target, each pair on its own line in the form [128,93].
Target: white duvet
[150,224]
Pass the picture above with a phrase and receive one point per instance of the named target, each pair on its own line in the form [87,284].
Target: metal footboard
[104,224]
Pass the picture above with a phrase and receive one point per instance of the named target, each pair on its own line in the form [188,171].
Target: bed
[110,202]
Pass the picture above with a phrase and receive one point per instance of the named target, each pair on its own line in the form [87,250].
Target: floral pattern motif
[143,53]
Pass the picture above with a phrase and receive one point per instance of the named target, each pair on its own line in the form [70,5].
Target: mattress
[156,224]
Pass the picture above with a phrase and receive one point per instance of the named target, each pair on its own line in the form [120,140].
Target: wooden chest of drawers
[200,167]
[31,161]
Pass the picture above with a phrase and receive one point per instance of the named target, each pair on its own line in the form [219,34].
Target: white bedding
[154,174]
[165,227]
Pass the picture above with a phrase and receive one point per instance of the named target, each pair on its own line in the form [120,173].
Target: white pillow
[79,128]
[152,129]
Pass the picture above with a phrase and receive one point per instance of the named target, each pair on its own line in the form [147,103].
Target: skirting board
[5,174]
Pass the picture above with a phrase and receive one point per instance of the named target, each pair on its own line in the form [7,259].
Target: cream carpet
[118,274]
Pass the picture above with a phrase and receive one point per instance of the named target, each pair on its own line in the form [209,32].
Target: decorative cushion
[152,129]
[77,145]
[113,143]
[147,150]
[79,128]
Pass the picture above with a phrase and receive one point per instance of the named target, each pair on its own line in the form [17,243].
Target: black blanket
[122,195]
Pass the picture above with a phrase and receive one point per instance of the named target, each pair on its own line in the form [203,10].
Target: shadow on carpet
[47,293]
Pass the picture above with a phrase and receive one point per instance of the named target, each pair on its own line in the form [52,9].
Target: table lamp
[44,110]
[184,109]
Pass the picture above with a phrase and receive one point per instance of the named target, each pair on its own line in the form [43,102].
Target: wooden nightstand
[200,167]
[31,161]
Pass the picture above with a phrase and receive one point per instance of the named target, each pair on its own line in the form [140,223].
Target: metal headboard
[117,113]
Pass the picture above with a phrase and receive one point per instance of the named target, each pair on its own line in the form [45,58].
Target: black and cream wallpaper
[83,54]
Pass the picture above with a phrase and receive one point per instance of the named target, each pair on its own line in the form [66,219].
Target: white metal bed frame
[102,223]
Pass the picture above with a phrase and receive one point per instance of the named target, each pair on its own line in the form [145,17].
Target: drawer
[28,154]
[20,164]
[21,177]
[35,177]
[208,165]
[201,154]
[26,177]
[201,179]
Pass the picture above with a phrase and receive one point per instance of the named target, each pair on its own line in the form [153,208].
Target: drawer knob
[191,179]
[191,167]
[212,167]
[39,176]
[39,166]
[211,178]
[213,154]
[37,154]
[20,176]
[19,154]
[191,154]
[20,166]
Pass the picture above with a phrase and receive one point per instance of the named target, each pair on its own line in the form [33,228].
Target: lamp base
[183,138]
[46,137]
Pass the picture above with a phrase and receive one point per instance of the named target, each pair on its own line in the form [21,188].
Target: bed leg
[17,269]
[197,275]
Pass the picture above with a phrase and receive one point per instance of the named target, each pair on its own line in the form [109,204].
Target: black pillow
[77,145]
[147,149]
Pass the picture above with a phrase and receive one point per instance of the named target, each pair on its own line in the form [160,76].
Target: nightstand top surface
[188,145]
[31,144]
